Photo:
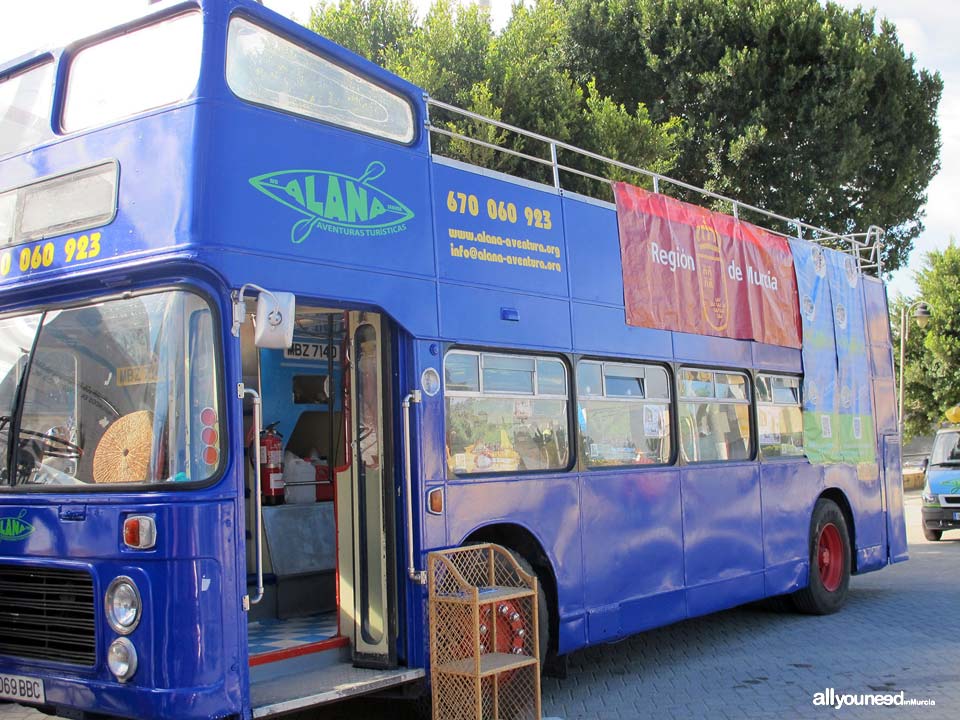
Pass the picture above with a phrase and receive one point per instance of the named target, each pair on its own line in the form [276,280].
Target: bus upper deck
[154,173]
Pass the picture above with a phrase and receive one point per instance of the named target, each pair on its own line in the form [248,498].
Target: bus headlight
[122,659]
[122,603]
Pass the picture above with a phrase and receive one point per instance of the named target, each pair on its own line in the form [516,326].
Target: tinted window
[462,372]
[154,66]
[25,102]
[714,416]
[501,424]
[267,69]
[623,425]
[779,416]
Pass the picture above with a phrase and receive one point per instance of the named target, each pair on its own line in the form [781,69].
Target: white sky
[926,28]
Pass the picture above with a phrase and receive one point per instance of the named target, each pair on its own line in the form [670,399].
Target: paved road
[894,635]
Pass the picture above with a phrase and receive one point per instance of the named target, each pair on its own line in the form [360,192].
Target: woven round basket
[123,454]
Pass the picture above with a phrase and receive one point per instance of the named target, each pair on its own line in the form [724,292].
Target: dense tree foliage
[932,380]
[516,76]
[803,108]
[808,110]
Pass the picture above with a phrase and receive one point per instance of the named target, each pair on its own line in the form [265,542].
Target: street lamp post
[922,316]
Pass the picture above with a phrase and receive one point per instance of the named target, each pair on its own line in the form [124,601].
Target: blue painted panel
[602,330]
[711,350]
[337,287]
[723,594]
[154,208]
[521,247]
[722,531]
[881,361]
[194,672]
[774,357]
[594,243]
[475,315]
[632,547]
[306,191]
[789,489]
[786,577]
[885,405]
[878,316]
[548,506]
[893,483]
[869,509]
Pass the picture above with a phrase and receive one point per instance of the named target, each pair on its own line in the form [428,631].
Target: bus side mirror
[274,320]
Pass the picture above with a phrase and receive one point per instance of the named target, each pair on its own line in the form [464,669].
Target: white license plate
[21,687]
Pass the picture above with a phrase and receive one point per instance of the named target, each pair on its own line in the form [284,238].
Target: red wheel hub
[830,560]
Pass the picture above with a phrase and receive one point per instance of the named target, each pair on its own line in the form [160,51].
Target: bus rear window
[268,70]
[150,67]
[25,109]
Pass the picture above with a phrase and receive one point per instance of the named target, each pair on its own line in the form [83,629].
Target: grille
[952,499]
[47,614]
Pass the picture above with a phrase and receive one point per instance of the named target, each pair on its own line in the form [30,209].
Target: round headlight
[122,604]
[122,659]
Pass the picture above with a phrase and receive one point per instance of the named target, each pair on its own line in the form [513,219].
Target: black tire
[816,598]
[932,535]
[543,607]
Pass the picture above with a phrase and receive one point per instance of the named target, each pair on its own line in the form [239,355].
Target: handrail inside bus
[865,247]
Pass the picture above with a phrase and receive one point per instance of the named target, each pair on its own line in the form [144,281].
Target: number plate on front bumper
[20,687]
[956,516]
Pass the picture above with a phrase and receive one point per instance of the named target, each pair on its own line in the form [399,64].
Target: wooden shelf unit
[484,644]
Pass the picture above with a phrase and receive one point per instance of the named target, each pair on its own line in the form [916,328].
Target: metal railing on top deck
[865,247]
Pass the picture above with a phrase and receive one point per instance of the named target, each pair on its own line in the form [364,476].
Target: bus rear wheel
[829,562]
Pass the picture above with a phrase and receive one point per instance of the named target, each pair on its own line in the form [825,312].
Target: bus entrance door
[326,626]
[367,576]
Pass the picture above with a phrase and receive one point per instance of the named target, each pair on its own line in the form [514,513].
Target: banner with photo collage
[820,398]
[855,413]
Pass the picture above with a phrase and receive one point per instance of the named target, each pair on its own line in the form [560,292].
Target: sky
[925,27]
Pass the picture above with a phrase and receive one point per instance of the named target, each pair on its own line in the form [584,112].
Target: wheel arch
[840,499]
[521,540]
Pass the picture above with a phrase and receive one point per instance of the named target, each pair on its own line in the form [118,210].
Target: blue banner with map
[855,414]
[820,395]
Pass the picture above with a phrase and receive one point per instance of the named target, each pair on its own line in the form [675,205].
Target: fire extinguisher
[271,465]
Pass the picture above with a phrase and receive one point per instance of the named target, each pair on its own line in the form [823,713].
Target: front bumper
[941,518]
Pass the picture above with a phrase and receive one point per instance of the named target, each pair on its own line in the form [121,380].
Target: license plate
[956,516]
[21,687]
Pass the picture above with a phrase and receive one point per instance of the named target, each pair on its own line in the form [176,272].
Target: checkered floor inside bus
[271,635]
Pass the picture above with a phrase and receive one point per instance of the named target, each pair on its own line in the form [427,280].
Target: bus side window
[779,416]
[624,413]
[505,413]
[714,408]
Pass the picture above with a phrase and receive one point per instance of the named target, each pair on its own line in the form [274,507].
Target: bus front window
[122,392]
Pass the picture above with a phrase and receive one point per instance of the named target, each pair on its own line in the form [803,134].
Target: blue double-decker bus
[264,345]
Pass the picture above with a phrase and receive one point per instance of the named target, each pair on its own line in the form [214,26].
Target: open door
[371,578]
[325,626]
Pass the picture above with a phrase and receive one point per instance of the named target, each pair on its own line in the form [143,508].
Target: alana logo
[15,528]
[336,203]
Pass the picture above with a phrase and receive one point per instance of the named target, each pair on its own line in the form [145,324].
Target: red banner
[688,269]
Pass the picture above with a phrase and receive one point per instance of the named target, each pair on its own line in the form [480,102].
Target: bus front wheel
[829,562]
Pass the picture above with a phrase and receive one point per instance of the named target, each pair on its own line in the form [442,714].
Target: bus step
[325,684]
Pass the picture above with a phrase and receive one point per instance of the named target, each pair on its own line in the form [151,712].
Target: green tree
[804,109]
[932,383]
[518,76]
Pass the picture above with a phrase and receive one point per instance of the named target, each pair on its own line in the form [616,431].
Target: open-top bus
[262,348]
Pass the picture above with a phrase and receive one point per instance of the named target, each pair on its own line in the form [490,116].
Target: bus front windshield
[116,393]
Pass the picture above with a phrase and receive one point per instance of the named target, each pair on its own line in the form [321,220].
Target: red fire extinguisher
[271,465]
